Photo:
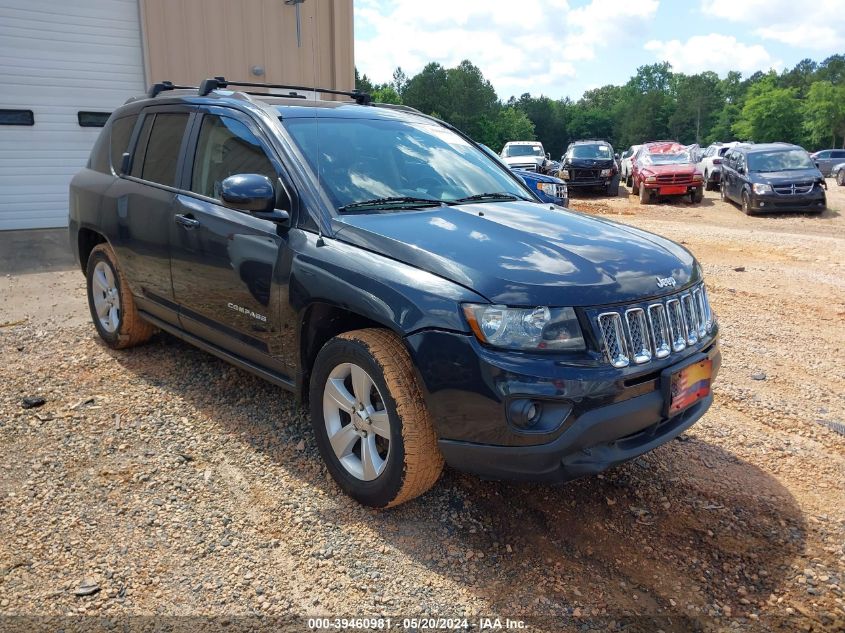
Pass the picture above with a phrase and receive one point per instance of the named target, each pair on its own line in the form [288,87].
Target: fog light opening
[526,413]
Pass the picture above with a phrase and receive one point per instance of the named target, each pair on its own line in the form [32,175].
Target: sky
[561,48]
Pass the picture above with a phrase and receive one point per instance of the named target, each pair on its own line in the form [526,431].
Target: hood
[535,176]
[586,163]
[525,254]
[787,177]
[524,160]
[683,168]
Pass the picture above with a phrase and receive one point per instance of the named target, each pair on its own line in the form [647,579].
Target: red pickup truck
[666,168]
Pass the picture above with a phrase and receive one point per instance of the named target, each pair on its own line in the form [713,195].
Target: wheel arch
[86,239]
[322,321]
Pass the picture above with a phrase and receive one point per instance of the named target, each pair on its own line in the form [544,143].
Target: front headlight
[651,179]
[604,173]
[527,329]
[547,188]
[761,187]
[564,174]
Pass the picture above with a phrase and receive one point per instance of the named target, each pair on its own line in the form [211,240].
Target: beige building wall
[188,40]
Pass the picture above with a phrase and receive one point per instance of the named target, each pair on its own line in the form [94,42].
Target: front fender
[389,292]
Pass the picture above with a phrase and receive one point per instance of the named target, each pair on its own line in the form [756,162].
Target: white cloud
[817,24]
[532,46]
[719,53]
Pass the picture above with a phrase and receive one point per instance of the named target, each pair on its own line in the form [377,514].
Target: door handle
[187,221]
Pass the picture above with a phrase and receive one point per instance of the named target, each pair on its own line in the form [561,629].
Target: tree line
[804,105]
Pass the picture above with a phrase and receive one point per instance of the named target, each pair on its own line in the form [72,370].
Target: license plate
[689,385]
[673,190]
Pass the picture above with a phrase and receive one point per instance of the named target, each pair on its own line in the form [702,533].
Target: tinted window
[92,119]
[226,147]
[163,148]
[121,132]
[16,117]
[840,153]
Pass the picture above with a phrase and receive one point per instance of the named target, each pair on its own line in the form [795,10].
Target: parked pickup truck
[666,168]
[406,286]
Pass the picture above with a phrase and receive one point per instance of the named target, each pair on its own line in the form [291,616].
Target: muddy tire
[370,420]
[746,204]
[645,196]
[634,188]
[111,303]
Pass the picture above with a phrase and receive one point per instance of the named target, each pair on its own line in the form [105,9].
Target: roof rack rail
[158,88]
[208,85]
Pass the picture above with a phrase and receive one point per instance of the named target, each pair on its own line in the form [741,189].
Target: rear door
[144,200]
[228,266]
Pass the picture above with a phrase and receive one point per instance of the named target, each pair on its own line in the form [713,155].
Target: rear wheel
[707,184]
[111,303]
[371,423]
[723,192]
[840,177]
[645,196]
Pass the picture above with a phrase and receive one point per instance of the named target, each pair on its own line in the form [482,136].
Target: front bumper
[815,200]
[609,415]
[680,189]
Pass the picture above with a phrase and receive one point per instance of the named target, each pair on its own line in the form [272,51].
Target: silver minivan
[826,159]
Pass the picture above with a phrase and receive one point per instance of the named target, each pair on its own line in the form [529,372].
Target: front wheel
[746,204]
[840,177]
[697,195]
[370,420]
[111,303]
[723,192]
[645,196]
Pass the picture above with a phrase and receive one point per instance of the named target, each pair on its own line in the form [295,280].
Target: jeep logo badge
[665,282]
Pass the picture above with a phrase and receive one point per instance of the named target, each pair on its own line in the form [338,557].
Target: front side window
[358,160]
[162,152]
[225,148]
[780,160]
[824,154]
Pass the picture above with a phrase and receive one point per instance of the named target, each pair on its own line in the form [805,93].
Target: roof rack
[158,88]
[208,85]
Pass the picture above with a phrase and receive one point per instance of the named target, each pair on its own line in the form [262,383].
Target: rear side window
[226,147]
[162,148]
[840,153]
[121,132]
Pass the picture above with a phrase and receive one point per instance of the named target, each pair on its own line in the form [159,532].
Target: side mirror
[254,194]
[616,156]
[548,156]
[740,169]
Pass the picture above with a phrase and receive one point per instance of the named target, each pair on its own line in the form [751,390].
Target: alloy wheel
[357,422]
[106,297]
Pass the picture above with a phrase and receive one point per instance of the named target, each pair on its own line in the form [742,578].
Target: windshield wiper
[391,202]
[483,197]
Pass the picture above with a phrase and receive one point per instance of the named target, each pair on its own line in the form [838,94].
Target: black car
[383,267]
[591,165]
[772,177]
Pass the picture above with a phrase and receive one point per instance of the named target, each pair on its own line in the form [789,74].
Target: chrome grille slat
[613,337]
[659,330]
[690,319]
[677,326]
[637,334]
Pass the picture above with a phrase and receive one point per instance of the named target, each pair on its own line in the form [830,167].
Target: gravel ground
[161,481]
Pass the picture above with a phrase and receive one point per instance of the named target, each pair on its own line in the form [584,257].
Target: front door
[229,268]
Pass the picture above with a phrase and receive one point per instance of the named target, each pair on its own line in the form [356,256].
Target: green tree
[509,124]
[770,113]
[698,102]
[362,82]
[386,94]
[426,91]
[824,113]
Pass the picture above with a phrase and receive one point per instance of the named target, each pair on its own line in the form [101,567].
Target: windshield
[781,160]
[525,150]
[360,160]
[598,152]
[667,159]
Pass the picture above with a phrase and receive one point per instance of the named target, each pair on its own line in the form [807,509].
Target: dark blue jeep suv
[409,287]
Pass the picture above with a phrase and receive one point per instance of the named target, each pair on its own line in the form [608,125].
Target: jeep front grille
[639,333]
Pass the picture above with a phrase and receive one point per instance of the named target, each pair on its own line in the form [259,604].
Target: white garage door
[58,58]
